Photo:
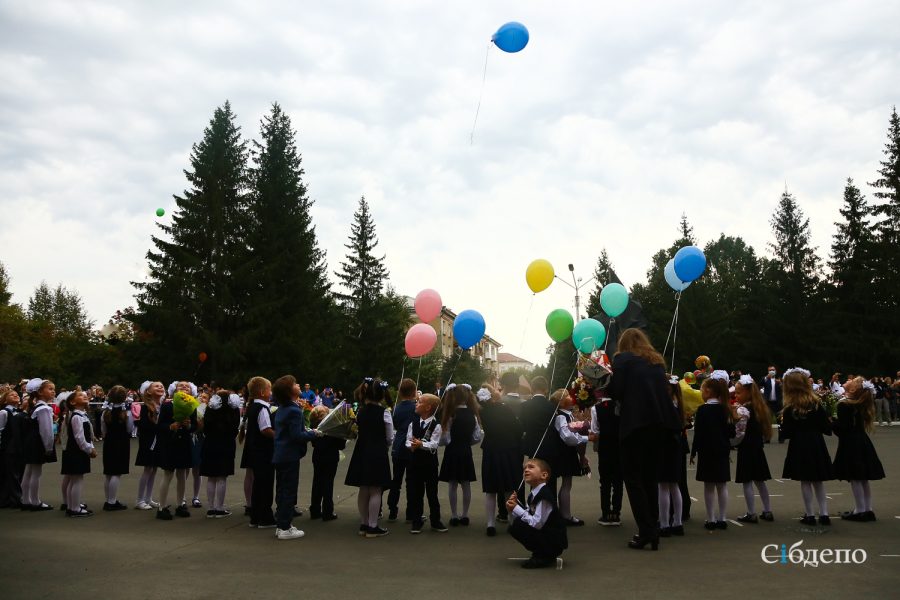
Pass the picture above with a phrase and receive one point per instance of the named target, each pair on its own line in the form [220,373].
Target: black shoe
[464,521]
[221,514]
[439,527]
[373,532]
[870,516]
[615,519]
[604,519]
[573,522]
[677,530]
[182,511]
[767,515]
[363,529]
[196,503]
[330,517]
[824,520]
[392,515]
[163,514]
[721,524]
[852,516]
[211,514]
[298,512]
[417,527]
[641,542]
[808,520]
[748,518]
[454,522]
[709,525]
[538,563]
[83,512]
[246,511]
[315,515]
[665,532]
[41,507]
[503,518]
[114,506]
[491,531]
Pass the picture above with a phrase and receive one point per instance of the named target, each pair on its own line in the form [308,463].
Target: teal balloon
[588,335]
[559,324]
[614,299]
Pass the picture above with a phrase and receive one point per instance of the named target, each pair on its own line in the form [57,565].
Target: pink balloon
[420,339]
[428,305]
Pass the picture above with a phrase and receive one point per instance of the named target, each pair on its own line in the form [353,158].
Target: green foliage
[5,294]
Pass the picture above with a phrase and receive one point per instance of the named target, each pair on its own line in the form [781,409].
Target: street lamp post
[575,285]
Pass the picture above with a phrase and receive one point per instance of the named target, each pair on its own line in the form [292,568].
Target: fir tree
[196,296]
[888,227]
[792,250]
[363,274]
[5,294]
[290,315]
[604,273]
[851,248]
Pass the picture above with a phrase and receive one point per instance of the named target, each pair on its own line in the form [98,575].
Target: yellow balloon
[539,275]
[690,398]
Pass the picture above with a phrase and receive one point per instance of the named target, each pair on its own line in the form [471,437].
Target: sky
[616,119]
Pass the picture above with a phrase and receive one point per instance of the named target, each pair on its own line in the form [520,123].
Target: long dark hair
[116,395]
[636,341]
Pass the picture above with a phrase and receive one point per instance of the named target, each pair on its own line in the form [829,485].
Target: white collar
[263,402]
[713,401]
[428,420]
[565,411]
[79,411]
[40,403]
[536,489]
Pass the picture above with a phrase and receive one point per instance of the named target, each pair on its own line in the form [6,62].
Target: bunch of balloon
[681,271]
[422,337]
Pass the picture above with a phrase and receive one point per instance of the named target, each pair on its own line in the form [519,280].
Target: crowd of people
[637,424]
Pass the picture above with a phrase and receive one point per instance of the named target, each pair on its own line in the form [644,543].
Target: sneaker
[82,512]
[417,527]
[503,518]
[604,520]
[615,519]
[538,563]
[142,506]
[182,511]
[454,522]
[824,520]
[767,515]
[748,518]
[114,506]
[392,515]
[153,503]
[211,514]
[808,520]
[266,526]
[196,503]
[374,532]
[721,524]
[440,527]
[330,517]
[163,514]
[363,529]
[709,525]
[491,531]
[289,534]
[221,514]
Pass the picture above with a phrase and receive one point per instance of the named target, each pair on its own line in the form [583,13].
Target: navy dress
[174,447]
[146,429]
[116,443]
[220,427]
[807,456]
[369,464]
[501,461]
[76,461]
[566,462]
[458,464]
[855,459]
[34,451]
[751,458]
[712,435]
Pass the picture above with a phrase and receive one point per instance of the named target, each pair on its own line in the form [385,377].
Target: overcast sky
[615,119]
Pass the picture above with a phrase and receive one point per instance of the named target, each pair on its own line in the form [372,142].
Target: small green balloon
[589,335]
[559,324]
[160,212]
[614,299]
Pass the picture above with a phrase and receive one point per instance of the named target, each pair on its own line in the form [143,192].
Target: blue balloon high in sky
[468,328]
[689,262]
[511,37]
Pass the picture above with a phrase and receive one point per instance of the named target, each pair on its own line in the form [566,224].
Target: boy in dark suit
[325,458]
[539,526]
[423,438]
[404,413]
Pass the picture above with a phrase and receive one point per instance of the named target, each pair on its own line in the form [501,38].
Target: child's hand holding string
[512,502]
[416,443]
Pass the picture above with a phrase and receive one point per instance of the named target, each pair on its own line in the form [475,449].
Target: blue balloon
[589,335]
[689,262]
[511,37]
[468,328]
[672,279]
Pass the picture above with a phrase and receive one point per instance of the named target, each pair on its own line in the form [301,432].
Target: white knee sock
[819,488]
[180,479]
[722,491]
[664,505]
[374,505]
[26,486]
[220,493]
[362,504]
[112,488]
[709,499]
[749,498]
[677,504]
[75,486]
[452,494]
[806,492]
[31,484]
[490,509]
[467,497]
[164,489]
[764,495]
[859,497]
[565,497]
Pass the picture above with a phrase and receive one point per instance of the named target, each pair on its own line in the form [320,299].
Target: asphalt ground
[129,554]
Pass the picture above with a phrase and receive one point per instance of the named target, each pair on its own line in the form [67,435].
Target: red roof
[506,357]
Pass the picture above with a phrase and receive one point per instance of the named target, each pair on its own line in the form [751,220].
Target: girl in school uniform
[10,450]
[805,423]
[152,394]
[173,442]
[220,423]
[501,461]
[671,470]
[77,455]
[856,460]
[117,426]
[713,430]
[461,429]
[566,462]
[38,442]
[753,430]
[370,468]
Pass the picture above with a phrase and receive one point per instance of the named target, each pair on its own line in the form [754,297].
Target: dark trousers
[640,468]
[261,494]
[10,481]
[534,540]
[400,466]
[287,478]
[422,481]
[685,494]
[775,408]
[609,466]
[322,499]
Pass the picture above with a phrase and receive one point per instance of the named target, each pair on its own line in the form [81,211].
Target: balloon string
[402,374]
[674,317]
[527,317]
[480,94]
[675,334]
[612,321]
[418,372]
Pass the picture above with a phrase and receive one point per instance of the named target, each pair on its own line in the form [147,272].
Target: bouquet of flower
[594,369]
[829,401]
[183,406]
[583,392]
[306,407]
[340,422]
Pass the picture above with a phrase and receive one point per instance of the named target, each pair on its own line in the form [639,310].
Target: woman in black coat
[647,419]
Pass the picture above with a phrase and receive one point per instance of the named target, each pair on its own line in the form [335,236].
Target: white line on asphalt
[779,481]
[695,500]
[736,523]
[779,496]
[890,555]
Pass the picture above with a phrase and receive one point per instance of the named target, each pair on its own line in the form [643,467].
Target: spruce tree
[851,249]
[195,298]
[291,316]
[888,226]
[604,273]
[363,274]
[5,294]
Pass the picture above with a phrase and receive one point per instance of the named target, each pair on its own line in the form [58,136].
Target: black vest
[71,444]
[7,434]
[423,457]
[261,447]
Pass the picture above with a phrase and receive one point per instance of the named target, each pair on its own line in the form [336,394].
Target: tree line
[238,278]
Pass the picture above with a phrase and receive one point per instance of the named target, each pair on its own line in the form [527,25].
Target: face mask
[771,373]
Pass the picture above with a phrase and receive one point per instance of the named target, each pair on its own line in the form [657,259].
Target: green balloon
[160,212]
[589,335]
[559,324]
[614,299]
